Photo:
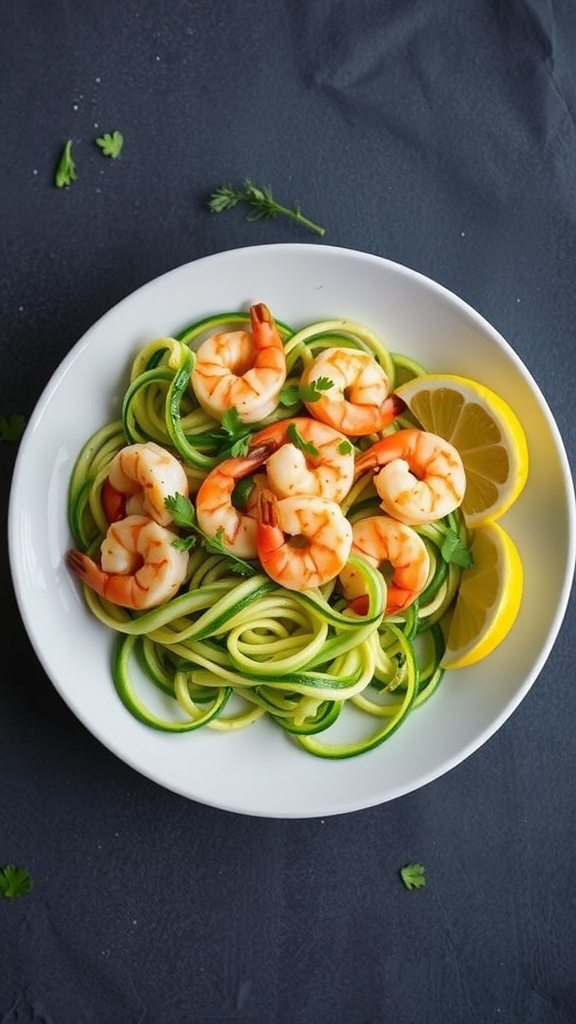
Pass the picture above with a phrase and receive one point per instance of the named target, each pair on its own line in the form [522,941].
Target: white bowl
[259,771]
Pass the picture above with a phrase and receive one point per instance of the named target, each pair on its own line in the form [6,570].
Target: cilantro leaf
[313,391]
[111,144]
[294,435]
[12,427]
[454,550]
[14,881]
[184,516]
[290,395]
[413,876]
[66,168]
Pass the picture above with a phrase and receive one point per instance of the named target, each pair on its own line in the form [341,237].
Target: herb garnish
[14,881]
[294,435]
[66,168]
[454,550]
[261,203]
[232,437]
[110,143]
[184,515]
[413,876]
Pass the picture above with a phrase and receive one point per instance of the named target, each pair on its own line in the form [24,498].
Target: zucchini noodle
[229,650]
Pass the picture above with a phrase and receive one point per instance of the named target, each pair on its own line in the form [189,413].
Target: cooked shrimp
[217,508]
[358,401]
[306,457]
[398,552]
[244,370]
[419,476]
[139,565]
[303,541]
[145,474]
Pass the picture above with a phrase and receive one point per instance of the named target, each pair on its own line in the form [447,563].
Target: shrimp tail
[260,315]
[393,406]
[270,536]
[86,569]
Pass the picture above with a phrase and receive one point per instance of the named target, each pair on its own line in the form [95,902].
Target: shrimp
[306,457]
[303,541]
[244,370]
[145,474]
[398,552]
[139,565]
[420,477]
[217,509]
[358,401]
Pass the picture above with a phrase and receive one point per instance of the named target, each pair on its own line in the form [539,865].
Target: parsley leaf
[66,168]
[413,876]
[12,427]
[454,550]
[110,143]
[184,515]
[14,881]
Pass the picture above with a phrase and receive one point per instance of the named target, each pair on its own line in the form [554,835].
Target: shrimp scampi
[218,507]
[419,476]
[398,552]
[357,401]
[306,457]
[244,370]
[303,541]
[140,478]
[140,567]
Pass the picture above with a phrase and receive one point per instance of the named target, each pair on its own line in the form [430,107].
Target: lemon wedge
[488,599]
[486,432]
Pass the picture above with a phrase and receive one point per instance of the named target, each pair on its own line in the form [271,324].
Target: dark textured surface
[438,135]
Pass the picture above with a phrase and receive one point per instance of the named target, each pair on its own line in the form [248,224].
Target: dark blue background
[441,135]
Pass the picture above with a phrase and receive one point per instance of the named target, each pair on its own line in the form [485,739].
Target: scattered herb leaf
[344,448]
[110,143]
[261,203]
[184,515]
[413,876]
[66,168]
[313,391]
[14,881]
[12,427]
[294,435]
[454,550]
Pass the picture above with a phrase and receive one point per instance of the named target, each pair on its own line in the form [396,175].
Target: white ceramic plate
[258,771]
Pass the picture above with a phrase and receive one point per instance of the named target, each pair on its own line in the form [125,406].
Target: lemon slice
[488,600]
[486,432]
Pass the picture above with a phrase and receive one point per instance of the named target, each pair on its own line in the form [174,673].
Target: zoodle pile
[270,532]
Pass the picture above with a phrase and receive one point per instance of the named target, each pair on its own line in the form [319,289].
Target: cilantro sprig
[233,436]
[14,881]
[313,391]
[413,876]
[184,516]
[260,202]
